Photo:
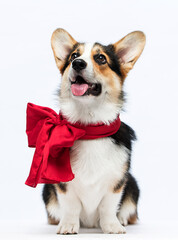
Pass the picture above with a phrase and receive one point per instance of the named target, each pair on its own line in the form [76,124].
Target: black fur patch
[122,99]
[125,136]
[131,190]
[109,50]
[48,191]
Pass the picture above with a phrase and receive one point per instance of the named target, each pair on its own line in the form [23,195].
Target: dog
[103,193]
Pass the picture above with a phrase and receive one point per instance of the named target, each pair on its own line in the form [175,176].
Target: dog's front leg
[70,207]
[107,209]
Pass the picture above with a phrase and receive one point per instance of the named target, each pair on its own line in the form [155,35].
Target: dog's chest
[97,165]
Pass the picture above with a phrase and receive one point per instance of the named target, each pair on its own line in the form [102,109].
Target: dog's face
[92,73]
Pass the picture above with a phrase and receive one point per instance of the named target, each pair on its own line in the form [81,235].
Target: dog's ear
[62,43]
[128,50]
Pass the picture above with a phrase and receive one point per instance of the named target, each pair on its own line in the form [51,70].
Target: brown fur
[119,189]
[133,219]
[106,74]
[52,221]
[61,187]
[118,186]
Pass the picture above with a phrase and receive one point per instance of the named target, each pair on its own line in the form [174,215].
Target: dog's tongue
[79,89]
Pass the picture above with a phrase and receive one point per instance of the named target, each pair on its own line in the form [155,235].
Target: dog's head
[93,75]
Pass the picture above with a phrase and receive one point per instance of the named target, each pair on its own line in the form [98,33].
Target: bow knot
[57,120]
[61,122]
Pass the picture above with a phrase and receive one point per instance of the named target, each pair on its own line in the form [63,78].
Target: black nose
[79,64]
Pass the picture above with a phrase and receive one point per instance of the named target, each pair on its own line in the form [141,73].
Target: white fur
[91,192]
[54,210]
[108,219]
[127,210]
[86,56]
[98,165]
[70,212]
[98,111]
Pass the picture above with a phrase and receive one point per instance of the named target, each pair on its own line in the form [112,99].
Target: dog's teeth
[93,86]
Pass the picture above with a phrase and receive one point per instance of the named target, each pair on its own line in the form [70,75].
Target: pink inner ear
[122,54]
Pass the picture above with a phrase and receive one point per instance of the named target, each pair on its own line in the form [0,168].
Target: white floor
[38,231]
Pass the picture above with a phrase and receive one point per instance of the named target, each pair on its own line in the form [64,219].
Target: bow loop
[36,117]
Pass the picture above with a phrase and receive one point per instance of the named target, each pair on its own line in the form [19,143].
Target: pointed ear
[62,43]
[128,50]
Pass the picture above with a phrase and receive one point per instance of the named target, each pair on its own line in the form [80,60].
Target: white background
[28,74]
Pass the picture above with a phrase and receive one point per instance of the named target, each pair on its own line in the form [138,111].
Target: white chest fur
[97,165]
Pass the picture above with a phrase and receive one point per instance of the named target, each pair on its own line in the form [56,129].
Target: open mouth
[82,88]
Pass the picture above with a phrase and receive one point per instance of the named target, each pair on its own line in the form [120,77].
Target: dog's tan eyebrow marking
[98,50]
[98,46]
[79,49]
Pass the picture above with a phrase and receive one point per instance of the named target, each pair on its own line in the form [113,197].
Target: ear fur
[62,43]
[128,50]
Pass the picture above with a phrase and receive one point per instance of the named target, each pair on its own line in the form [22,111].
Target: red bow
[53,135]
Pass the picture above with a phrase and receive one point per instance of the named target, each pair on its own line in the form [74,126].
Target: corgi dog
[103,193]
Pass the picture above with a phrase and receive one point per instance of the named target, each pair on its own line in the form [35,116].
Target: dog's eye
[73,56]
[100,59]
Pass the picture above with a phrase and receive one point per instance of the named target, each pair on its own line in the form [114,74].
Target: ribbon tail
[36,117]
[35,171]
[56,162]
[38,159]
[56,167]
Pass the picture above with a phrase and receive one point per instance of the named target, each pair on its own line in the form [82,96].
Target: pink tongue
[79,89]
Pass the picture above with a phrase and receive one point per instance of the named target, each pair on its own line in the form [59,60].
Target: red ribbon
[52,136]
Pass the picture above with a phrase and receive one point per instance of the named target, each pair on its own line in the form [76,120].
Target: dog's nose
[79,64]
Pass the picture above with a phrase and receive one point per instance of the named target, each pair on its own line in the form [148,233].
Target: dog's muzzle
[81,87]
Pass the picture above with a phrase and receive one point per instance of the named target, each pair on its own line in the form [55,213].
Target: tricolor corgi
[103,193]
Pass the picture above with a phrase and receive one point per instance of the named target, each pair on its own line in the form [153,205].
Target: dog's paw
[67,228]
[113,227]
[123,221]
